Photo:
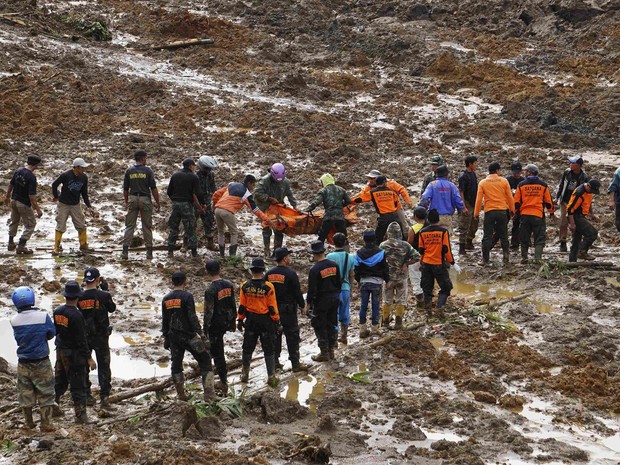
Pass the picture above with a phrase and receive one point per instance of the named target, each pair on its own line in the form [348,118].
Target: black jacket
[370,261]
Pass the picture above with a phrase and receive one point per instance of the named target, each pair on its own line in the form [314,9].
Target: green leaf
[7,447]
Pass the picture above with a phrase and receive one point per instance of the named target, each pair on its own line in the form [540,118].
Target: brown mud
[338,87]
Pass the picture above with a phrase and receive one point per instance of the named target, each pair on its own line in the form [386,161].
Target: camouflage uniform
[182,211]
[269,187]
[35,380]
[429,178]
[206,184]
[333,198]
[397,253]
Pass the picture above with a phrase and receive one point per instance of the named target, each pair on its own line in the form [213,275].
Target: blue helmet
[23,297]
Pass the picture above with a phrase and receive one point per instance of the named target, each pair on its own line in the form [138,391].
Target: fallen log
[499,303]
[181,44]
[8,412]
[585,264]
[381,342]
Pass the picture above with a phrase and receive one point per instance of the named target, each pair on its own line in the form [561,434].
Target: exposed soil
[338,87]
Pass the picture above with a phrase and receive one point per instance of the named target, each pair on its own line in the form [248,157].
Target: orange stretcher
[294,223]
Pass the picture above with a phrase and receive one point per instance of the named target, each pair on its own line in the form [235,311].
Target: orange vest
[532,196]
[434,245]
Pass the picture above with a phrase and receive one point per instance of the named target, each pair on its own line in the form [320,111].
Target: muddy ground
[338,86]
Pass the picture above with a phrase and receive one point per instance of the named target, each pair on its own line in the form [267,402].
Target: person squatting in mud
[182,332]
[258,318]
[95,304]
[289,297]
[324,285]
[219,317]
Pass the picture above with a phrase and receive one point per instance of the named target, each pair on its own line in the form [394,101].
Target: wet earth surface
[523,367]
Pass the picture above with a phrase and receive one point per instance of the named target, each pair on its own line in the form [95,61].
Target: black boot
[232,250]
[222,251]
[194,252]
[563,247]
[462,249]
[11,245]
[149,253]
[441,300]
[125,253]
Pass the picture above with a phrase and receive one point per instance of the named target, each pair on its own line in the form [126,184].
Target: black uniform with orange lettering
[182,331]
[323,299]
[387,204]
[289,296]
[71,354]
[95,306]
[219,316]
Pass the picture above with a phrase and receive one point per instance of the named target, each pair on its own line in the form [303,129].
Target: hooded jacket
[397,251]
[370,262]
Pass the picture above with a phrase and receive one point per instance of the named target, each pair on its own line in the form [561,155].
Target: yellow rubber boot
[386,311]
[84,241]
[57,240]
[400,312]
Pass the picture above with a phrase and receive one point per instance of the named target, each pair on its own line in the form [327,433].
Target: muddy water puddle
[307,391]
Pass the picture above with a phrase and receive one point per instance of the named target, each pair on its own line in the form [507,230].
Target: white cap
[81,163]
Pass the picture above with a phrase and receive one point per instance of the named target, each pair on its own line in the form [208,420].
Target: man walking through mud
[614,196]
[468,188]
[95,304]
[74,185]
[289,297]
[206,183]
[494,192]
[346,264]
[219,317]
[443,196]
[258,318]
[272,189]
[21,195]
[324,285]
[578,209]
[138,187]
[531,198]
[182,332]
[386,204]
[573,177]
[183,190]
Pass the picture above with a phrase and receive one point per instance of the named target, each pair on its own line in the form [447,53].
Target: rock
[405,429]
[526,17]
[278,410]
[511,401]
[45,444]
[326,423]
[193,433]
[210,427]
[576,11]
[418,12]
[486,397]
[52,286]
[442,444]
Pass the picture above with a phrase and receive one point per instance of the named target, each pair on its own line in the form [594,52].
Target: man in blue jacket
[32,329]
[443,196]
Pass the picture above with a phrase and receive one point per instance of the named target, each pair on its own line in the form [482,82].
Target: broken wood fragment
[181,44]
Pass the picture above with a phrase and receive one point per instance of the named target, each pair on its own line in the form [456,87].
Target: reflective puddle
[305,390]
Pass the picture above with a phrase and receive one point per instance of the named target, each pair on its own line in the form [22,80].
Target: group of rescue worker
[393,254]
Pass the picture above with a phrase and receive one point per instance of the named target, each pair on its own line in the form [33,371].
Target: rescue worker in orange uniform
[494,191]
[531,198]
[436,259]
[578,208]
[386,203]
[396,187]
[258,316]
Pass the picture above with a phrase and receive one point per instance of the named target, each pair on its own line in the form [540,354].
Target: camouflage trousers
[35,381]
[182,211]
[208,218]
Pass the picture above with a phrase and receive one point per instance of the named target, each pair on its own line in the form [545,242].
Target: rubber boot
[57,240]
[105,404]
[83,237]
[222,251]
[179,384]
[506,257]
[81,415]
[170,252]
[22,249]
[245,373]
[364,333]
[270,362]
[149,253]
[267,247]
[56,410]
[385,315]
[538,250]
[584,255]
[46,419]
[90,400]
[297,365]
[428,305]
[28,421]
[332,354]
[441,300]
[279,365]
[470,245]
[343,334]
[232,250]
[11,245]
[125,252]
[277,243]
[486,255]
[563,247]
[462,249]
[323,356]
[374,330]
[194,252]
[208,388]
[399,323]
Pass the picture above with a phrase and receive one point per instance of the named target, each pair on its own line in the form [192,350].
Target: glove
[103,285]
[278,327]
[166,343]
[240,325]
